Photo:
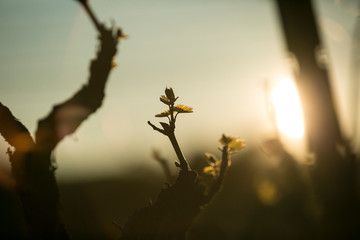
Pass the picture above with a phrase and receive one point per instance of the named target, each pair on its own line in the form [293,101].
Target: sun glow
[288,111]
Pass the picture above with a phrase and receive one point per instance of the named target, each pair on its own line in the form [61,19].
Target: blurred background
[226,59]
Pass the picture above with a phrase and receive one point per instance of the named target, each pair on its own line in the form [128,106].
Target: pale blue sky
[215,54]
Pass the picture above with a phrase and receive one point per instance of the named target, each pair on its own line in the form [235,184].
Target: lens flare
[288,111]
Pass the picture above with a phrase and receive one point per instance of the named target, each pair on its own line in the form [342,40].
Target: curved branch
[18,136]
[66,117]
[13,131]
[38,188]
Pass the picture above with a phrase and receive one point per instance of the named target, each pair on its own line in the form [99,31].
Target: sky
[216,55]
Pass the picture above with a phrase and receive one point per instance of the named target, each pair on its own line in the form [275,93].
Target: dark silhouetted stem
[183,163]
[224,162]
[169,130]
[216,186]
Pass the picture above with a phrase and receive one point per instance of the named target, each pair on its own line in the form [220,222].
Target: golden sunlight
[288,111]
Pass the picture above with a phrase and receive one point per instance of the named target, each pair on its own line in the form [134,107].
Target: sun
[287,106]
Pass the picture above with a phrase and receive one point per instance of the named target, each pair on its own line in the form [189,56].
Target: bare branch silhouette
[11,128]
[335,173]
[18,136]
[32,163]
[163,163]
[66,117]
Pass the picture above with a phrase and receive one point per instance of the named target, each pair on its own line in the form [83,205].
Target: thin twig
[156,128]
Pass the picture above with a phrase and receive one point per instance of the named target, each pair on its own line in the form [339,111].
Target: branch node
[156,128]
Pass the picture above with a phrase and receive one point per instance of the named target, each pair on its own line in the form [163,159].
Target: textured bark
[32,165]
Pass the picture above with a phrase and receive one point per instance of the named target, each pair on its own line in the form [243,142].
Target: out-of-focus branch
[164,165]
[91,14]
[32,164]
[217,184]
[335,173]
[39,195]
[303,41]
[66,117]
[13,131]
[18,136]
[31,161]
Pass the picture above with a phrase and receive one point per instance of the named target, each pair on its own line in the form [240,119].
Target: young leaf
[209,169]
[183,109]
[236,144]
[165,100]
[163,114]
[170,94]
